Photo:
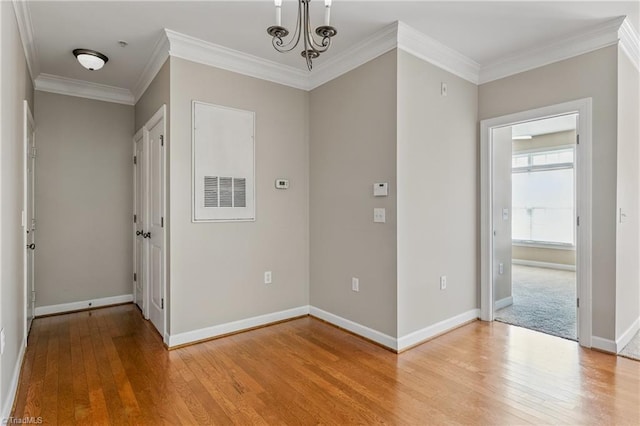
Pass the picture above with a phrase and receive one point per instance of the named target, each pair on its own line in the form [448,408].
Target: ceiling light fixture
[312,48]
[90,59]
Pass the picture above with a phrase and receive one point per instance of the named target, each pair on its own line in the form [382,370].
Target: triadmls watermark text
[22,420]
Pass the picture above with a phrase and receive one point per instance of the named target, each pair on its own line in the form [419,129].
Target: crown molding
[397,35]
[157,59]
[630,42]
[436,53]
[370,48]
[25,28]
[206,53]
[595,38]
[83,89]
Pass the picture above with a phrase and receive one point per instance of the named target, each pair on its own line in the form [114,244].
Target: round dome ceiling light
[90,59]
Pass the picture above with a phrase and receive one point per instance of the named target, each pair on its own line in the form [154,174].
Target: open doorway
[535,242]
[536,219]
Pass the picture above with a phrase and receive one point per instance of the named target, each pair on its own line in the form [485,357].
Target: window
[543,197]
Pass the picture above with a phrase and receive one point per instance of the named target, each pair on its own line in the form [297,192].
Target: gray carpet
[543,300]
[632,350]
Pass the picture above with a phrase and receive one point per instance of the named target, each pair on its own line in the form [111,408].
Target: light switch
[505,214]
[379,215]
[380,189]
[282,183]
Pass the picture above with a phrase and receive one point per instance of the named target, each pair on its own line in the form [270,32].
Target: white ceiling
[482,31]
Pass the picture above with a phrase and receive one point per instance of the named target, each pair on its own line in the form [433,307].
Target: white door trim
[28,121]
[583,207]
[161,114]
[139,218]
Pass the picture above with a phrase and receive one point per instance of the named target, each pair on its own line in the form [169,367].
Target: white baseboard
[354,327]
[85,304]
[234,326]
[436,329]
[626,337]
[503,303]
[7,404]
[548,265]
[604,345]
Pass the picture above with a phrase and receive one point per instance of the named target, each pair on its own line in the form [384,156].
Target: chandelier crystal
[312,48]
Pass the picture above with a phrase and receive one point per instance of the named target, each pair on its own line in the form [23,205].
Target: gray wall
[543,254]
[156,95]
[437,166]
[84,191]
[353,145]
[590,75]
[627,250]
[15,87]
[438,205]
[502,194]
[216,269]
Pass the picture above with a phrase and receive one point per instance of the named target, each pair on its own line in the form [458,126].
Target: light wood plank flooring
[108,366]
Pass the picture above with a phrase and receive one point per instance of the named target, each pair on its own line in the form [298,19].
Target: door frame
[27,121]
[143,133]
[161,114]
[583,108]
[139,137]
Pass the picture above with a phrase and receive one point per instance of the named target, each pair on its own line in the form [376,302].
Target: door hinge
[162,303]
[135,160]
[578,221]
[577,139]
[162,140]
[162,222]
[578,302]
[135,218]
[135,276]
[33,296]
[33,152]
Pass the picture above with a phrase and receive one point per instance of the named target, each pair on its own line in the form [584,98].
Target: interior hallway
[109,366]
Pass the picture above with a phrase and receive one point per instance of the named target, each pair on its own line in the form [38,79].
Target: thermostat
[282,183]
[380,189]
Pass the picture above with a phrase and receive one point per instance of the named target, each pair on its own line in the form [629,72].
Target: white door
[30,215]
[155,233]
[139,219]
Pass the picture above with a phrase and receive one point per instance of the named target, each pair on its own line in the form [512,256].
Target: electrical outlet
[443,282]
[501,268]
[355,284]
[267,277]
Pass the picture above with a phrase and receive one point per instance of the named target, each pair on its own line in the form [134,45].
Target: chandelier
[312,48]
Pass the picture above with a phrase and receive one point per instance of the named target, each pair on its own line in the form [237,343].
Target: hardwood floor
[108,366]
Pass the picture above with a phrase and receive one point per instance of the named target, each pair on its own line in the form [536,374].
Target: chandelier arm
[324,44]
[283,47]
[305,28]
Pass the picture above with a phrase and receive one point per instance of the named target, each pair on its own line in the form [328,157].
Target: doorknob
[139,233]
[147,235]
[31,246]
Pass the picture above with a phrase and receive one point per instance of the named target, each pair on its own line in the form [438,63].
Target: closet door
[155,233]
[140,195]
